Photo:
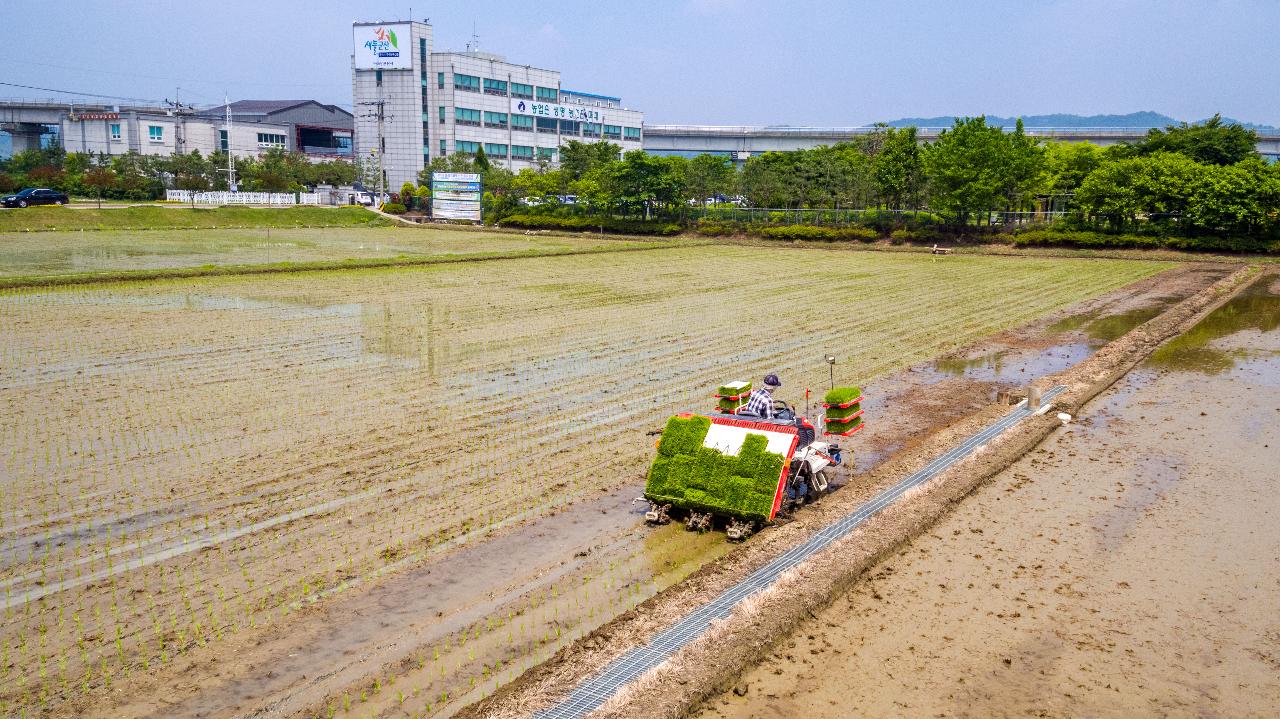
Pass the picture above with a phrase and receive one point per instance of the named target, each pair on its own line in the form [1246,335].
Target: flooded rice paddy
[196,468]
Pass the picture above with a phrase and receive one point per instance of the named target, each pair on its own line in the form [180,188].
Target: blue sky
[696,61]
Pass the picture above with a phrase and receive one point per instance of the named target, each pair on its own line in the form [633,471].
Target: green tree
[579,158]
[899,168]
[968,168]
[1212,142]
[709,175]
[1068,163]
[1156,186]
[481,161]
[1237,199]
[645,182]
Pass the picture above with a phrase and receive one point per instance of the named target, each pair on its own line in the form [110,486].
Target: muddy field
[1127,567]
[196,468]
[59,253]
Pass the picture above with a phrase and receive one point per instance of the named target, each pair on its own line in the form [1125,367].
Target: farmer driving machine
[742,471]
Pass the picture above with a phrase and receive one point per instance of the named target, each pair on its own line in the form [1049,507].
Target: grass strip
[167,273]
[151,217]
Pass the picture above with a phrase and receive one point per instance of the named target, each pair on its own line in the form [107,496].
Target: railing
[245,198]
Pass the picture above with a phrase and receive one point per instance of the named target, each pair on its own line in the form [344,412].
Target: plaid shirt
[760,404]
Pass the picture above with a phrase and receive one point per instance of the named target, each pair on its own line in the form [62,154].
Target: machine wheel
[698,522]
[738,530]
[22,203]
[658,514]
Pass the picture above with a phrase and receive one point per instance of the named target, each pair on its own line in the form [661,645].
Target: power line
[81,94]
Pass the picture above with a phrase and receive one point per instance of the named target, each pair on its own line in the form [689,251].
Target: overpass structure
[742,142]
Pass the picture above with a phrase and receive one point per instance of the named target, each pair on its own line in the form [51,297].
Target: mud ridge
[712,663]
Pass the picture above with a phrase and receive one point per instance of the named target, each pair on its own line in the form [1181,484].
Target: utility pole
[231,159]
[380,113]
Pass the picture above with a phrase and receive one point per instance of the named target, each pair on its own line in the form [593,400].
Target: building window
[547,153]
[495,87]
[442,152]
[591,129]
[521,90]
[442,120]
[466,147]
[494,149]
[521,152]
[522,122]
[115,131]
[223,141]
[155,133]
[466,116]
[613,132]
[548,94]
[570,127]
[377,77]
[422,54]
[631,133]
[469,83]
[268,139]
[495,119]
[547,124]
[440,80]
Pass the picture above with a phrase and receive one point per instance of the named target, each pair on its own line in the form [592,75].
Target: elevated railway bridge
[742,142]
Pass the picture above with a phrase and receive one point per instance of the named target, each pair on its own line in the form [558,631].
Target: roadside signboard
[455,196]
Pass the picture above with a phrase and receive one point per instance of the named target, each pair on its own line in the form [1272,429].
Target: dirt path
[1128,567]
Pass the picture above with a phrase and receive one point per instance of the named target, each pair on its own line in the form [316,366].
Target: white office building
[413,104]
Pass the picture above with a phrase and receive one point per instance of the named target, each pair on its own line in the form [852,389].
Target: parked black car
[35,196]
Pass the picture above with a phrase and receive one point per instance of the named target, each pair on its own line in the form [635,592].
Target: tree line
[1188,179]
[134,176]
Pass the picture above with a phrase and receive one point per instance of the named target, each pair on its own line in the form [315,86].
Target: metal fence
[871,216]
[245,198]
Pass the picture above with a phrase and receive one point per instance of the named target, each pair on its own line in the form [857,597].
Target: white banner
[383,47]
[556,111]
[455,176]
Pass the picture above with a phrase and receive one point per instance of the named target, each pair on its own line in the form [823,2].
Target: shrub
[393,208]
[810,232]
[591,224]
[719,228]
[898,237]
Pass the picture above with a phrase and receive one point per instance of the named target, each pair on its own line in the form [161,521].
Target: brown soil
[717,659]
[1125,568]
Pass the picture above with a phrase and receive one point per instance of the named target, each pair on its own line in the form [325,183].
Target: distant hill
[1133,119]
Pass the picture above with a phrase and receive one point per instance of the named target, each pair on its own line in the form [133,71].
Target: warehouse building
[413,104]
[318,131]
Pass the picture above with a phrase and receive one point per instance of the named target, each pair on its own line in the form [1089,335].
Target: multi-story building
[413,104]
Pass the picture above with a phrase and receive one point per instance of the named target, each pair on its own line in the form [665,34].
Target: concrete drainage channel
[596,690]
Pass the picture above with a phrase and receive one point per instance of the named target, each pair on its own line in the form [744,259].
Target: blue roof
[591,94]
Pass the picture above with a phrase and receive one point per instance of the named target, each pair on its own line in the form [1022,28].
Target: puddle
[1101,326]
[1009,366]
[1255,308]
